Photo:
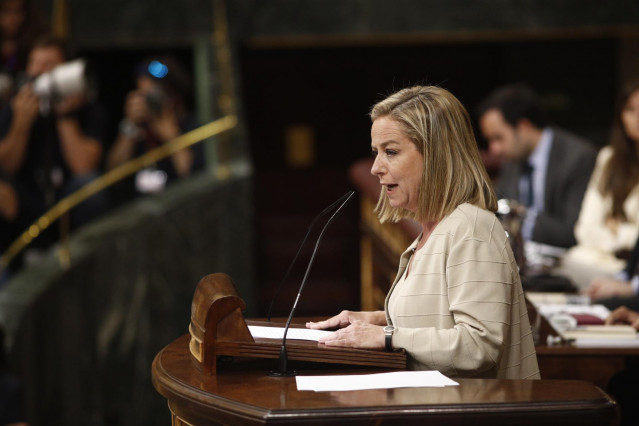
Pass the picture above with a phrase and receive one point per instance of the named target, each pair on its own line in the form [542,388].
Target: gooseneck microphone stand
[290,268]
[283,370]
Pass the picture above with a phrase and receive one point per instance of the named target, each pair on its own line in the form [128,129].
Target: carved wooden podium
[199,392]
[218,328]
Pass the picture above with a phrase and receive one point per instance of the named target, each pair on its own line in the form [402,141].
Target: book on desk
[580,323]
[598,332]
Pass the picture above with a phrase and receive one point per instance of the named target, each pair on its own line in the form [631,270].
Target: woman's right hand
[346,318]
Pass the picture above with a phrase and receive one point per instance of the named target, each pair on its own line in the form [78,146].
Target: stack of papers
[600,332]
[544,298]
[569,314]
[398,379]
[293,333]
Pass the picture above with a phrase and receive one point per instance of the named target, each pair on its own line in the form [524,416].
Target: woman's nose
[376,169]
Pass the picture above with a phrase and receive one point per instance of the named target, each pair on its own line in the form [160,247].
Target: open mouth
[390,187]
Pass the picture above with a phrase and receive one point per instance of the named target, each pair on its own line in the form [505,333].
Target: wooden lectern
[218,328]
[241,393]
[199,392]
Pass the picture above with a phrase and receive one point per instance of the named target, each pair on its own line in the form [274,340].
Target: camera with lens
[68,79]
[155,101]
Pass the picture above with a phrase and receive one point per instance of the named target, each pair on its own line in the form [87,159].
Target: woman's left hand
[357,335]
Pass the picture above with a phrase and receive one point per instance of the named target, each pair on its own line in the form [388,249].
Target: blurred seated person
[52,145]
[608,224]
[544,168]
[155,113]
[457,304]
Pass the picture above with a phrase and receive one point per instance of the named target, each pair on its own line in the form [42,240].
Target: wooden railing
[115,175]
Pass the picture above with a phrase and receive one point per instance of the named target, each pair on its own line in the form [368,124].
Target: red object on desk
[587,319]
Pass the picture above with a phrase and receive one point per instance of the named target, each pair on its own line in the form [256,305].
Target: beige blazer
[461,310]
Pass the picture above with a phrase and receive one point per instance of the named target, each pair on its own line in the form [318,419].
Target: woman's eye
[391,152]
[373,153]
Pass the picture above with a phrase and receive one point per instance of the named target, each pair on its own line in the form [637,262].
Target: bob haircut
[453,173]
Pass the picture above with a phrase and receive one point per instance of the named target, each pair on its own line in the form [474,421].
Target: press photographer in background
[52,134]
[21,23]
[155,113]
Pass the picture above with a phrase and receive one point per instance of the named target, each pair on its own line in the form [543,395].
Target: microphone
[299,250]
[282,370]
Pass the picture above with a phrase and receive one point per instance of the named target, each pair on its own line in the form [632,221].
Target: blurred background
[84,314]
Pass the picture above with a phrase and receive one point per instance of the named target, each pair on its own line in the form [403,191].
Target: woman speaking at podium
[457,304]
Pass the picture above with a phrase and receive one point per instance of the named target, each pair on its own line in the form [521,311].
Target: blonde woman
[457,304]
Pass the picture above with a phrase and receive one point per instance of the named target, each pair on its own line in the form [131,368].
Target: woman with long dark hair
[608,223]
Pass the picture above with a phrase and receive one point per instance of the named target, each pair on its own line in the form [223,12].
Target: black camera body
[156,100]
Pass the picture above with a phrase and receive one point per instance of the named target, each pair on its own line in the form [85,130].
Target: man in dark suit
[546,169]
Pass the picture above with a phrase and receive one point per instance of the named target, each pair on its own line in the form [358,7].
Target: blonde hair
[453,173]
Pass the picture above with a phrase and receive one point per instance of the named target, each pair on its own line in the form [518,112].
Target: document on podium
[293,333]
[351,382]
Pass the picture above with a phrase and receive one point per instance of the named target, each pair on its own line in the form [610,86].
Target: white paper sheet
[398,379]
[293,333]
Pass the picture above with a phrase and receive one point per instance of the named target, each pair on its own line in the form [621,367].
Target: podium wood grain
[242,393]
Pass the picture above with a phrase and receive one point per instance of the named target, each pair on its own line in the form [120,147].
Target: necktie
[527,196]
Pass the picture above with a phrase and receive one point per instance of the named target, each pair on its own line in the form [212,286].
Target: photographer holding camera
[154,114]
[52,143]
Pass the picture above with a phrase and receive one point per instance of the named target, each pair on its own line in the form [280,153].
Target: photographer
[154,114]
[21,23]
[52,145]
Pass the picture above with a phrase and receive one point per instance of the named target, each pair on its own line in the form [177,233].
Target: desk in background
[564,361]
[595,365]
